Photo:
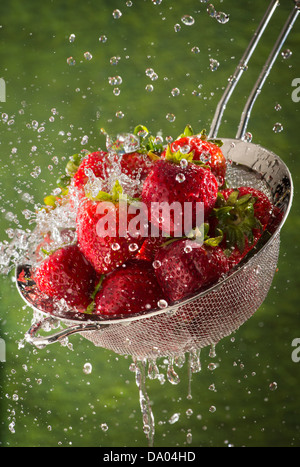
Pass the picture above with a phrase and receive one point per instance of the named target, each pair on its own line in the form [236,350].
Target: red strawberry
[242,215]
[184,267]
[132,288]
[104,241]
[150,247]
[98,163]
[203,151]
[66,274]
[136,165]
[170,182]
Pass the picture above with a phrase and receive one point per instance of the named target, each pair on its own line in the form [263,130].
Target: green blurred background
[46,399]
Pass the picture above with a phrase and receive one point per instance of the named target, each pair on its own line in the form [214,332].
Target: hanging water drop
[172,376]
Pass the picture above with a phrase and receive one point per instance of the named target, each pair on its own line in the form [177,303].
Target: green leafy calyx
[236,219]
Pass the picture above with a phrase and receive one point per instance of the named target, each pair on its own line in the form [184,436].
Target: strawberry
[150,247]
[175,181]
[242,214]
[184,267]
[99,164]
[66,274]
[123,291]
[102,238]
[136,165]
[207,152]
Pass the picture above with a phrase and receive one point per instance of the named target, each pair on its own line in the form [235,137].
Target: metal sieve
[207,317]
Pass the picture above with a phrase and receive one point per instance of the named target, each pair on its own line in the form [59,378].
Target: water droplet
[104,426]
[248,137]
[71,61]
[184,163]
[212,409]
[211,10]
[149,88]
[172,376]
[88,56]
[36,172]
[103,39]
[117,14]
[287,53]
[156,2]
[119,114]
[87,368]
[171,117]
[156,264]
[11,427]
[222,17]
[162,304]
[117,91]
[72,38]
[188,20]
[278,107]
[189,412]
[212,366]
[278,128]
[115,60]
[85,140]
[180,178]
[115,246]
[213,64]
[133,247]
[187,249]
[189,437]
[175,92]
[195,50]
[273,386]
[174,418]
[177,27]
[205,157]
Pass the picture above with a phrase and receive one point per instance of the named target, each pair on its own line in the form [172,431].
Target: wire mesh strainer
[208,317]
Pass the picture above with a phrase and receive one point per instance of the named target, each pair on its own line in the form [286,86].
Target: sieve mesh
[202,321]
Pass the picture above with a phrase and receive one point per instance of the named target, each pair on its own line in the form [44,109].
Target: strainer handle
[43,341]
[242,66]
[246,114]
